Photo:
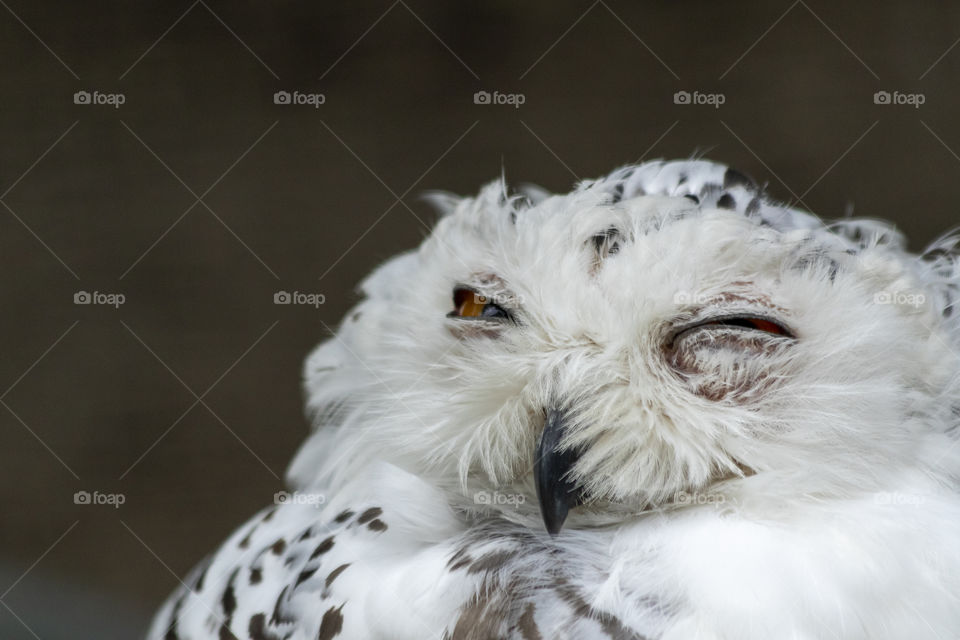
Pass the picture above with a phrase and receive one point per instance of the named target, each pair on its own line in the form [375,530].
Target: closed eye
[750,322]
[747,323]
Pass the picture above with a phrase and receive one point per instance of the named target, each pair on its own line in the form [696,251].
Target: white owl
[658,407]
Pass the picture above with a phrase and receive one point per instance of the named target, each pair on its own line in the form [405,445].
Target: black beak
[551,473]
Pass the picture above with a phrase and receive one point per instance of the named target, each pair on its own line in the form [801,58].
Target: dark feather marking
[377,525]
[331,624]
[343,517]
[256,575]
[322,548]
[617,193]
[171,633]
[752,207]
[491,561]
[710,189]
[334,574]
[245,542]
[278,547]
[258,624]
[461,564]
[229,600]
[269,514]
[732,178]
[225,633]
[305,575]
[818,258]
[229,603]
[369,514]
[606,238]
[610,624]
[527,625]
[459,559]
[726,201]
[277,616]
[472,620]
[258,629]
[692,198]
[198,585]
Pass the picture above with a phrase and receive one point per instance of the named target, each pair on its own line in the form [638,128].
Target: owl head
[655,339]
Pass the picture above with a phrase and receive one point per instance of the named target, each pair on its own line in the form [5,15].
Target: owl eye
[467,303]
[747,323]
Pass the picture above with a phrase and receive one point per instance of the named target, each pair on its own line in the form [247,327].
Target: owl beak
[556,492]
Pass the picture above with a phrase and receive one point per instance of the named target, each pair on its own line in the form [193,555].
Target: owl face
[613,356]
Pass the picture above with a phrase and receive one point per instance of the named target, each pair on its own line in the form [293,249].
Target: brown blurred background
[292,197]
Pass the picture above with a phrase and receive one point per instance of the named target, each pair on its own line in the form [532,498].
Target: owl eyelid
[746,322]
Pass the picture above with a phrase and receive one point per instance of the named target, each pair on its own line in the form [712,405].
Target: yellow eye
[467,303]
[470,305]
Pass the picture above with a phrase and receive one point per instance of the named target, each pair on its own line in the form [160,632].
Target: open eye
[467,303]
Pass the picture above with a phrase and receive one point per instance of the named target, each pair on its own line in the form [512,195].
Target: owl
[658,407]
